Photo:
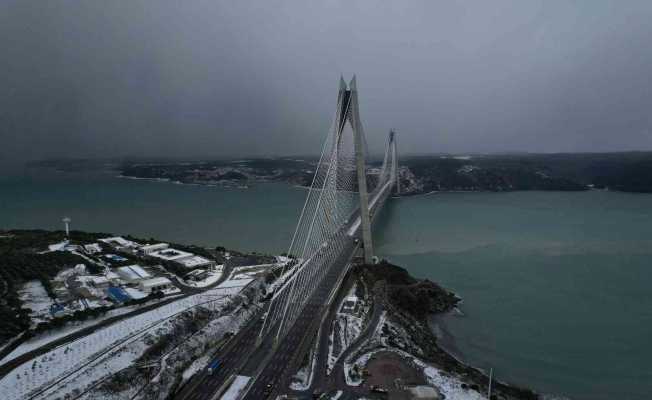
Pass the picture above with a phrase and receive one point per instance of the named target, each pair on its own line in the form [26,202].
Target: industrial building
[183,258]
[151,248]
[133,273]
[120,243]
[155,284]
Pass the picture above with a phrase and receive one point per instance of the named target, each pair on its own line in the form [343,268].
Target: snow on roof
[99,280]
[135,293]
[133,272]
[93,247]
[119,241]
[58,246]
[171,254]
[111,275]
[158,281]
[193,261]
[196,272]
[156,246]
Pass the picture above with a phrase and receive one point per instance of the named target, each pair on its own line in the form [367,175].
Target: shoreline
[419,306]
[233,185]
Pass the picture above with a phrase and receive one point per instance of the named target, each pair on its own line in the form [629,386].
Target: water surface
[557,287]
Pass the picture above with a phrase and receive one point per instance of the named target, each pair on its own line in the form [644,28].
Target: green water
[260,218]
[557,287]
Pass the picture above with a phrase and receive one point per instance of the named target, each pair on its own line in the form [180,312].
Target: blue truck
[212,367]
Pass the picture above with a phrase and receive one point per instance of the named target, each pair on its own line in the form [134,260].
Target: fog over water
[215,78]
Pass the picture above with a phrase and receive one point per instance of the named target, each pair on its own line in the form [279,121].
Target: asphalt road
[269,367]
[274,375]
[204,385]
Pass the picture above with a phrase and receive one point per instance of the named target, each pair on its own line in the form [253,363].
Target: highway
[269,367]
[274,375]
[241,356]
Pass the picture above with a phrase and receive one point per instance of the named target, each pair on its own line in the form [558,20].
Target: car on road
[268,390]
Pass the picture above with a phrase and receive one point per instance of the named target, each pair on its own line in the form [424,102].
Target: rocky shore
[410,303]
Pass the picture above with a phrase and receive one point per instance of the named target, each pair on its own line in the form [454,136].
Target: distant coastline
[418,175]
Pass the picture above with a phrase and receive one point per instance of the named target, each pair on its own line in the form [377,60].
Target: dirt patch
[391,371]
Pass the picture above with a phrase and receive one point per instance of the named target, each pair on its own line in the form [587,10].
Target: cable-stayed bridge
[334,224]
[337,213]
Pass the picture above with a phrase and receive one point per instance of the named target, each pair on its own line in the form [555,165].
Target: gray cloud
[95,78]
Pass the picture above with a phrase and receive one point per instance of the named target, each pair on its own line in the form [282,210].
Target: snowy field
[72,327]
[34,297]
[75,366]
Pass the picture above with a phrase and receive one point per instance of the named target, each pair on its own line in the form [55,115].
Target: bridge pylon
[338,209]
[348,111]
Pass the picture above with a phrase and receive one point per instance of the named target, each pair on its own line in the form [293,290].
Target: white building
[114,278]
[100,282]
[151,248]
[93,248]
[183,258]
[170,254]
[155,284]
[118,242]
[349,304]
[133,273]
[195,262]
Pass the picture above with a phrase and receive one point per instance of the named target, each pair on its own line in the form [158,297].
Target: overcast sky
[212,78]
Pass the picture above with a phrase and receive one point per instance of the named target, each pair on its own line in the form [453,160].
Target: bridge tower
[392,140]
[348,111]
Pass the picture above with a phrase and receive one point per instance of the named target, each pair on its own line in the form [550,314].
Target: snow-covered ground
[249,271]
[448,385]
[347,327]
[34,297]
[236,388]
[71,327]
[303,378]
[195,367]
[106,351]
